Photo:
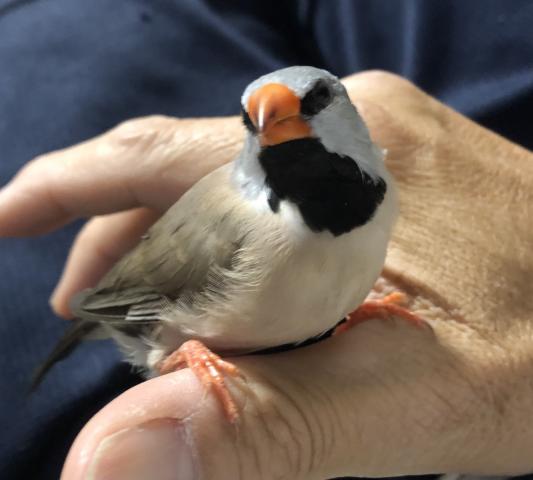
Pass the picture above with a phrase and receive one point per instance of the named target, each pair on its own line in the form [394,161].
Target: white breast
[301,289]
[324,279]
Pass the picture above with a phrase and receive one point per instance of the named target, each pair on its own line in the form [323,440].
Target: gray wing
[176,258]
[180,257]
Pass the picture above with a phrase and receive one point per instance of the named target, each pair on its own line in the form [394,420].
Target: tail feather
[74,334]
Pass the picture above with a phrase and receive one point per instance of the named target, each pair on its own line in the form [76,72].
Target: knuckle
[407,114]
[400,96]
[37,165]
[144,122]
[384,77]
[142,133]
[383,82]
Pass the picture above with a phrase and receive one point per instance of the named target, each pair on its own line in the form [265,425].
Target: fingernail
[158,450]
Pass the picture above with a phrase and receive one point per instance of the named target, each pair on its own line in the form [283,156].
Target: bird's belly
[305,295]
[303,303]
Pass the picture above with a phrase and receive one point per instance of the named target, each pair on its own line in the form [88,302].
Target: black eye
[247,122]
[316,99]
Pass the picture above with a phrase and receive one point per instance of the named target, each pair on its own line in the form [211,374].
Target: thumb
[350,405]
[170,427]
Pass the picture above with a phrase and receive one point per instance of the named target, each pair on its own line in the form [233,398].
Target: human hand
[381,399]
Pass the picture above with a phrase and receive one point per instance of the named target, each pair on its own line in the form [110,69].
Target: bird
[273,248]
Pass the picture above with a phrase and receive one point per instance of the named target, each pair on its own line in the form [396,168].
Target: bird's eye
[247,121]
[316,99]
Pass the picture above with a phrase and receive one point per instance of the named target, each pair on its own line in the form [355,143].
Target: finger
[365,403]
[422,116]
[388,132]
[400,116]
[98,246]
[397,96]
[144,162]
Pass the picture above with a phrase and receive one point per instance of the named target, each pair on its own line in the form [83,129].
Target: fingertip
[145,424]
[59,300]
[60,306]
[24,212]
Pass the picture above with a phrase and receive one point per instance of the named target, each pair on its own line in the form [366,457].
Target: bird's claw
[387,307]
[208,367]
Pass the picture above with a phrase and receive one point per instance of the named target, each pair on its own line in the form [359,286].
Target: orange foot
[385,307]
[208,367]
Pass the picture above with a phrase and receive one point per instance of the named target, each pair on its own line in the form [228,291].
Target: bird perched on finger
[272,249]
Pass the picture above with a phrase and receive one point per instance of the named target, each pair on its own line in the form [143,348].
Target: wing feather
[181,256]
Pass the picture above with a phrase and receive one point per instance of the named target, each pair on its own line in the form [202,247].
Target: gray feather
[174,264]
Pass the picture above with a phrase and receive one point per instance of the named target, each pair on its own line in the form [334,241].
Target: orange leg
[386,307]
[208,367]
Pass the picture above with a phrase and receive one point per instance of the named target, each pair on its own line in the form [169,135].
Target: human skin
[382,399]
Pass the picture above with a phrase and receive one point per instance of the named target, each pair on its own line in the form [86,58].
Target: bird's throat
[330,190]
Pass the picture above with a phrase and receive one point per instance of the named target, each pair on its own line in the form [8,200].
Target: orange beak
[275,111]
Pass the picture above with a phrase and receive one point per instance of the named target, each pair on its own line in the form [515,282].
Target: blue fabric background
[70,69]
